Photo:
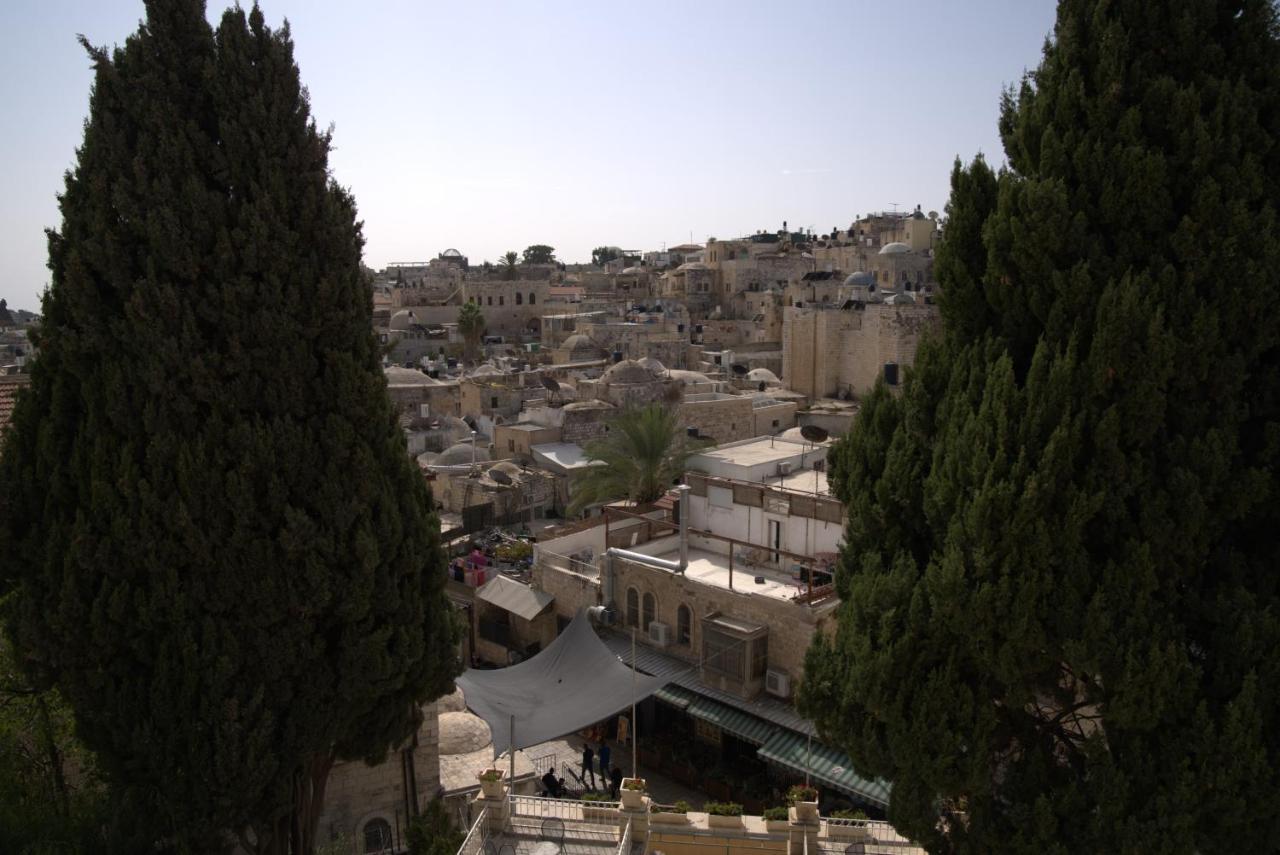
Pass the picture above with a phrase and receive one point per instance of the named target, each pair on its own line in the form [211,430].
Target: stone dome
[397,376]
[762,375]
[688,378]
[579,343]
[895,248]
[451,253]
[402,320]
[860,278]
[632,271]
[460,455]
[506,467]
[653,365]
[455,701]
[463,732]
[485,370]
[627,371]
[692,265]
[593,404]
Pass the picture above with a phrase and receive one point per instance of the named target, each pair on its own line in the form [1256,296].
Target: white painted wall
[742,522]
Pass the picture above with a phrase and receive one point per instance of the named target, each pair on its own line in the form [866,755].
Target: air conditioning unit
[777,683]
[659,633]
[784,468]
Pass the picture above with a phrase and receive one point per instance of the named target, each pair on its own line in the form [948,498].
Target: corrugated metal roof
[520,600]
[742,725]
[827,765]
[676,696]
[684,674]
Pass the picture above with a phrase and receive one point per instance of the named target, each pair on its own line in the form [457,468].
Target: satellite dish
[813,433]
[739,368]
[498,475]
[549,384]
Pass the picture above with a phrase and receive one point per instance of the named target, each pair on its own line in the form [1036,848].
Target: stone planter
[806,811]
[491,789]
[847,833]
[632,799]
[775,825]
[600,814]
[669,818]
[714,821]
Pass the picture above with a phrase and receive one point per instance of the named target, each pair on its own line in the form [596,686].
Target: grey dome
[627,371]
[460,455]
[861,278]
[758,375]
[895,248]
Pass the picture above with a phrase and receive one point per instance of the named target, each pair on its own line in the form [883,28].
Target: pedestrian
[615,784]
[588,765]
[603,754]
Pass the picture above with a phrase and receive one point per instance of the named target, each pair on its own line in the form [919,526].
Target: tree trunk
[54,757]
[294,833]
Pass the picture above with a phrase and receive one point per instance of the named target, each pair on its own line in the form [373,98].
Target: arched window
[533,298]
[377,836]
[650,606]
[633,607]
[684,625]
[519,299]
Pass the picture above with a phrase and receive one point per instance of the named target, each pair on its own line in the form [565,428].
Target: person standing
[588,765]
[603,753]
[615,784]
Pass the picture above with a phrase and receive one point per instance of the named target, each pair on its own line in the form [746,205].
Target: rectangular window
[511,445]
[719,497]
[722,653]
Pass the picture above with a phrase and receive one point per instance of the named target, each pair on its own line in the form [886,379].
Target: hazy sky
[492,126]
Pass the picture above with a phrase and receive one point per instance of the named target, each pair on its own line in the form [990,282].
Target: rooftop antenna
[895,207]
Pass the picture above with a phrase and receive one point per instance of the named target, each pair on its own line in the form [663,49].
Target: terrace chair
[553,830]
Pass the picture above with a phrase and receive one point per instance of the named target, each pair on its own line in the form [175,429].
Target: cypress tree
[1060,613]
[217,547]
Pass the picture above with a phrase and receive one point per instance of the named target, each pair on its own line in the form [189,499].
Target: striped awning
[826,765]
[741,724]
[674,695]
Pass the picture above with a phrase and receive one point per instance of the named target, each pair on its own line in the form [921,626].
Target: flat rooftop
[751,452]
[804,481]
[712,568]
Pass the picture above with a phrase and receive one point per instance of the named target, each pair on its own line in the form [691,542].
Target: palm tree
[643,454]
[509,262]
[471,326]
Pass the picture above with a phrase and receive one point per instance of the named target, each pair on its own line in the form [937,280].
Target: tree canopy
[1059,602]
[602,255]
[471,325]
[539,253]
[509,263]
[639,459]
[215,544]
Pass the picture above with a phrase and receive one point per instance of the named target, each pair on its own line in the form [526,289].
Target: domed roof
[397,376]
[402,320]
[861,278]
[653,364]
[462,732]
[507,468]
[632,271]
[593,404]
[758,375]
[692,265]
[627,371]
[895,248]
[688,377]
[580,342]
[455,701]
[451,253]
[485,370]
[460,455]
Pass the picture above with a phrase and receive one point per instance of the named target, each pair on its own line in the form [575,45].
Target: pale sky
[492,126]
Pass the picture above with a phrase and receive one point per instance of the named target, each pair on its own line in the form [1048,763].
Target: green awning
[741,724]
[674,695]
[826,765]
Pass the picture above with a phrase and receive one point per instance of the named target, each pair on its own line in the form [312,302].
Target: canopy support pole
[635,730]
[511,756]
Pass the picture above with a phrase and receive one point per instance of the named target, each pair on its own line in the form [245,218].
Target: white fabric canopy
[576,682]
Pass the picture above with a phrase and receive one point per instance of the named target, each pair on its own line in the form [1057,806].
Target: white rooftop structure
[758,459]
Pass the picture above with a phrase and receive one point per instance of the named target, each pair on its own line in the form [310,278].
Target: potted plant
[605,812]
[491,783]
[676,814]
[633,793]
[848,825]
[775,819]
[805,800]
[723,814]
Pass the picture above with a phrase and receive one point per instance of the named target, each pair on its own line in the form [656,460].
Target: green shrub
[848,814]
[491,775]
[681,806]
[775,814]
[723,808]
[594,797]
[801,793]
[633,784]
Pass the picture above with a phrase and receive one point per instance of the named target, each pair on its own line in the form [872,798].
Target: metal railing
[474,841]
[570,810]
[624,844]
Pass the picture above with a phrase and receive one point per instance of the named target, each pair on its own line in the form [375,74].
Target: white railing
[570,810]
[624,844]
[474,841]
[880,831]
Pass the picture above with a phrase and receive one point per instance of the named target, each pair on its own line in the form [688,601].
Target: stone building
[842,351]
[419,395]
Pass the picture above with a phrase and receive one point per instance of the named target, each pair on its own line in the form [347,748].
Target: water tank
[891,373]
[617,356]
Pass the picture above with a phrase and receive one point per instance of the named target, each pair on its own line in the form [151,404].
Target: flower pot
[491,789]
[806,811]
[600,814]
[632,799]
[668,818]
[849,833]
[715,821]
[776,825]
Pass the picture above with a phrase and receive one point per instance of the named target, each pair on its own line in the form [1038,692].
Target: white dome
[689,378]
[895,248]
[759,375]
[653,364]
[460,455]
[402,320]
[397,376]
[462,733]
[627,371]
[860,278]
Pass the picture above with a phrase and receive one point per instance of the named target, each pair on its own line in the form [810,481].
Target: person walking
[603,753]
[615,784]
[588,765]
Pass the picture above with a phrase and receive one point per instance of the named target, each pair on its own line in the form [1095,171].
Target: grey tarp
[576,682]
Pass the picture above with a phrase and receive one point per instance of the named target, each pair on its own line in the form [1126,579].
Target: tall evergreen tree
[1060,609]
[218,548]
